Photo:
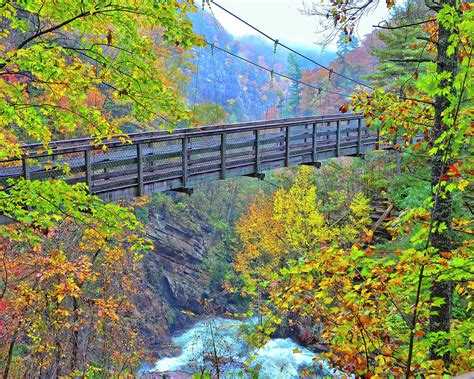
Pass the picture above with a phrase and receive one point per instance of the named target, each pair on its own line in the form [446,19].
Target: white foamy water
[280,358]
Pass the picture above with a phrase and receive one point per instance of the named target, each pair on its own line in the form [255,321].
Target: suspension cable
[277,73]
[199,59]
[332,71]
[215,83]
[272,89]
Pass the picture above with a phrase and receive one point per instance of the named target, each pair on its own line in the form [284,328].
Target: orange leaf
[419,333]
[343,108]
[465,7]
[417,147]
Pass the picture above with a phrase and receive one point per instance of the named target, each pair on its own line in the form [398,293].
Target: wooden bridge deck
[161,161]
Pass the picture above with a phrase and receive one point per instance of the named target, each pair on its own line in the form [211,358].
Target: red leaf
[454,170]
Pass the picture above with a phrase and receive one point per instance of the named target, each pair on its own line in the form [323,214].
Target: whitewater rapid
[279,358]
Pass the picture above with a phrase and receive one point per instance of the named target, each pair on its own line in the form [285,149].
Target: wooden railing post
[223,154]
[315,142]
[287,146]
[185,160]
[25,168]
[338,138]
[140,188]
[377,140]
[257,151]
[88,166]
[359,136]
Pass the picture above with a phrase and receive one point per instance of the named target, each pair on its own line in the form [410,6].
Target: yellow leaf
[463,184]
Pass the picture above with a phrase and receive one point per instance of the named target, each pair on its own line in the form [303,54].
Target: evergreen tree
[345,44]
[294,71]
[403,53]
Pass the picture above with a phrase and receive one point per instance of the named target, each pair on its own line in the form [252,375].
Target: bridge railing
[159,161]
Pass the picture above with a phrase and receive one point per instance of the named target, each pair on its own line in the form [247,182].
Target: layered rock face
[174,279]
[191,256]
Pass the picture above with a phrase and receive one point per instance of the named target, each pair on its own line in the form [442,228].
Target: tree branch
[80,15]
[411,60]
[400,26]
[52,29]
[416,100]
[427,39]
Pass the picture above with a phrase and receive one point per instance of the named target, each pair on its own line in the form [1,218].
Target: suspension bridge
[159,161]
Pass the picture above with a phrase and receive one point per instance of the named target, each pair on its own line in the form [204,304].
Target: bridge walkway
[160,161]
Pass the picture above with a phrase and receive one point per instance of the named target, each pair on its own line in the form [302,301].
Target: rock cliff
[192,238]
[174,279]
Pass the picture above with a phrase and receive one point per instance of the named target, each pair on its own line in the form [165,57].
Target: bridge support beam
[316,164]
[187,191]
[258,175]
[257,151]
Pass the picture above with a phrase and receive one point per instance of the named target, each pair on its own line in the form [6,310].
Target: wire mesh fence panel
[68,166]
[300,139]
[240,148]
[327,133]
[272,144]
[115,167]
[162,160]
[348,134]
[10,169]
[204,154]
[349,130]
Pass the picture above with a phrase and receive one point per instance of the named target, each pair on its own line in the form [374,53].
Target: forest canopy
[302,254]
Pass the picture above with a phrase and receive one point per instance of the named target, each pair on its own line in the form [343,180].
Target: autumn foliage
[69,271]
[69,262]
[402,308]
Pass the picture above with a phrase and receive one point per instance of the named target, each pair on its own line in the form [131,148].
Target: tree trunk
[57,368]
[74,338]
[440,317]
[6,372]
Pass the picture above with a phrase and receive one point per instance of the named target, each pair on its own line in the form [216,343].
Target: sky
[282,19]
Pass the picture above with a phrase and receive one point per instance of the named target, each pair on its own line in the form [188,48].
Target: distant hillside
[244,91]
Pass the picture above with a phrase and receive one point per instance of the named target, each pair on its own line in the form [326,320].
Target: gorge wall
[189,259]
[174,278]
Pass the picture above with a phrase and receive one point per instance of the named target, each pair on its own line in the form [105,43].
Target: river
[220,342]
